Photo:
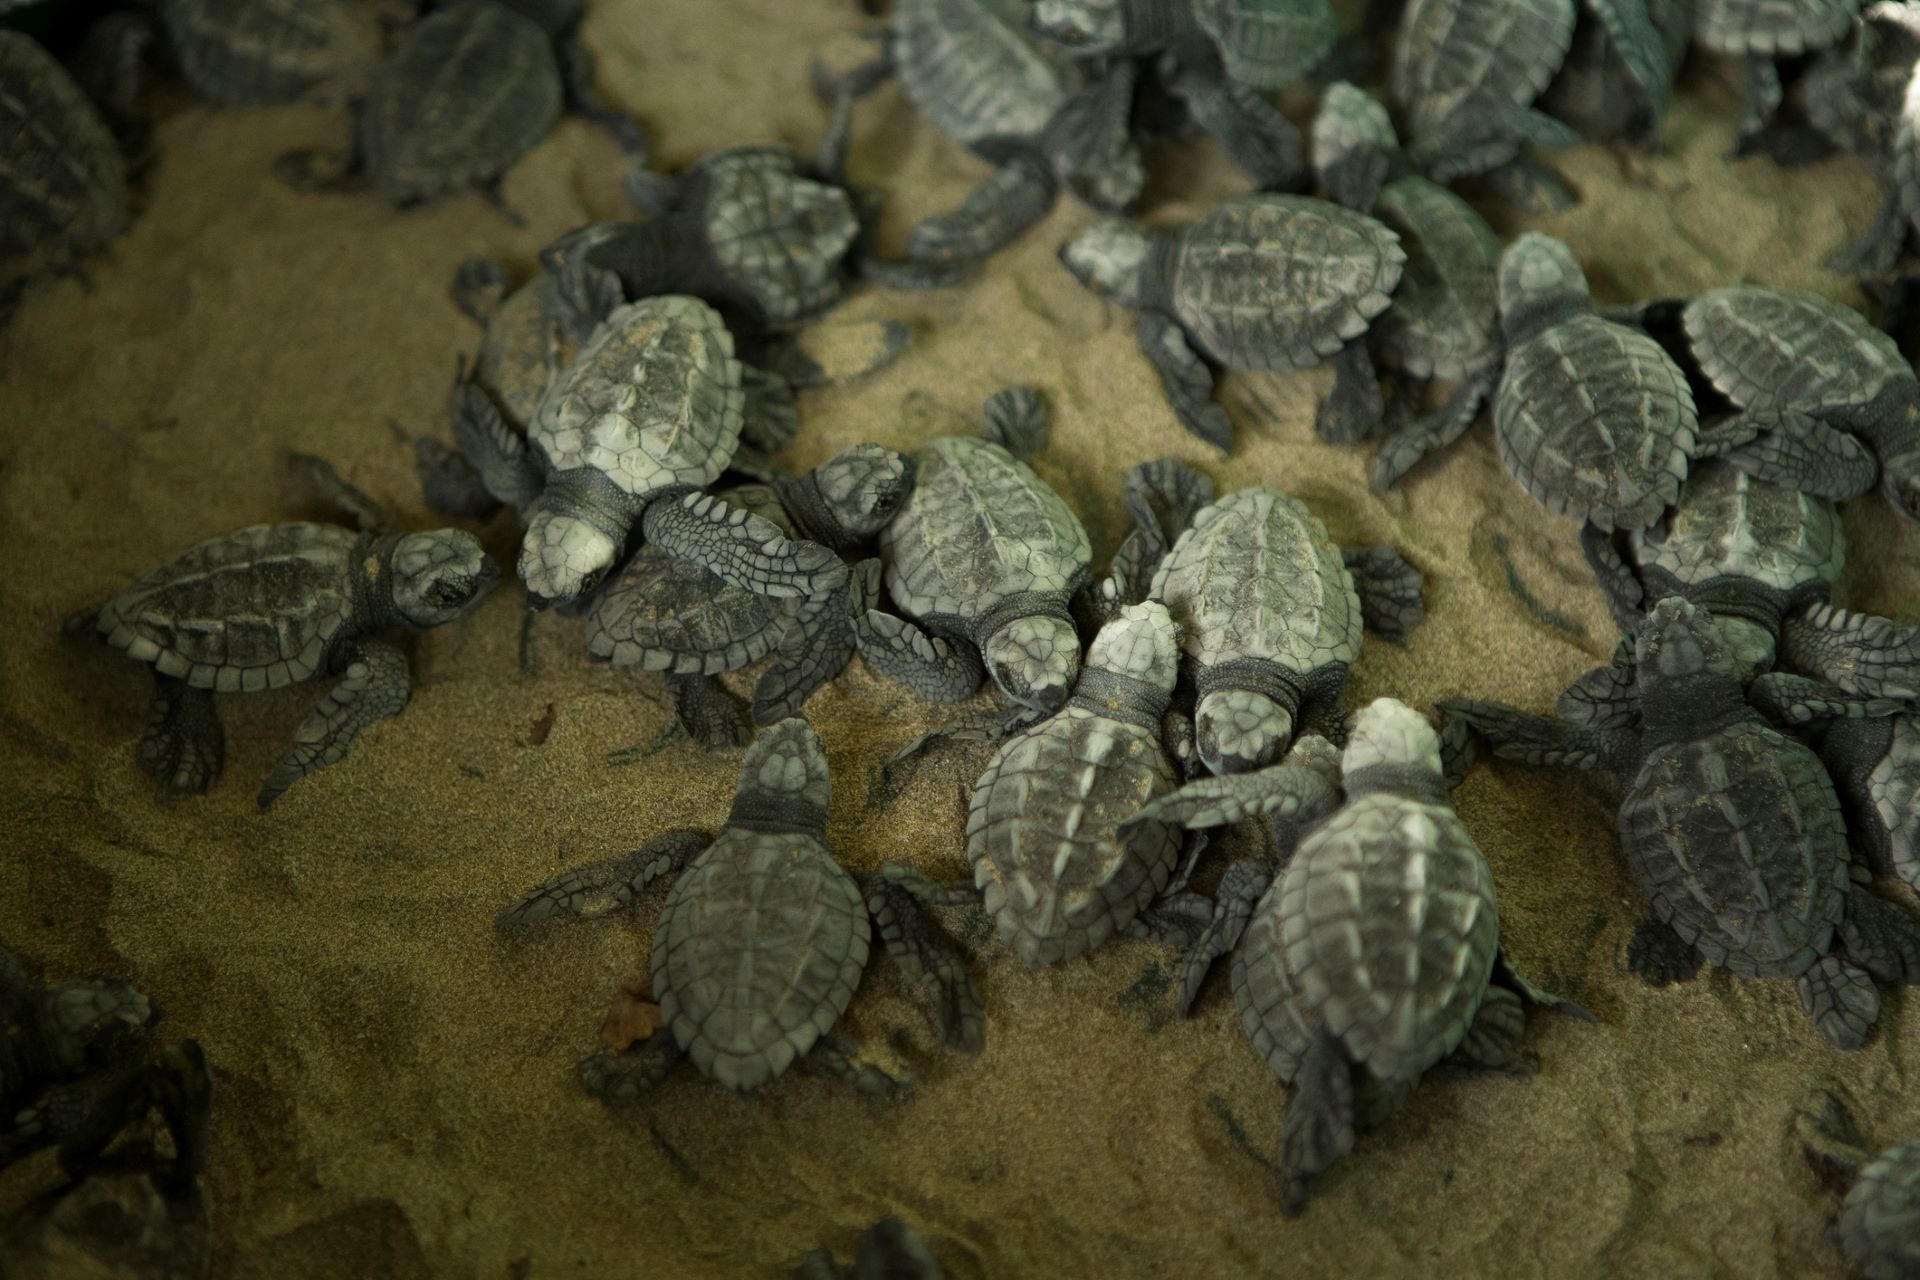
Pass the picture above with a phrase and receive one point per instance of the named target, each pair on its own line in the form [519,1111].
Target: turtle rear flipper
[1389,589]
[496,452]
[367,515]
[449,484]
[839,1055]
[707,714]
[770,419]
[1842,1001]
[1241,887]
[617,1076]
[818,644]
[1185,378]
[1880,937]
[1859,652]
[1406,447]
[598,888]
[1659,955]
[183,747]
[926,956]
[374,686]
[1319,1124]
[1797,451]
[1353,409]
[1492,1042]
[996,213]
[1015,418]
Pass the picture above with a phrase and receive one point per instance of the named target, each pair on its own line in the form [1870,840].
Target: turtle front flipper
[449,484]
[934,668]
[1015,418]
[1162,496]
[739,547]
[1389,589]
[1796,700]
[1288,791]
[1177,920]
[839,1055]
[1090,140]
[624,1075]
[1604,698]
[1262,142]
[374,686]
[1492,1042]
[1319,1124]
[707,714]
[496,452]
[1796,451]
[925,955]
[183,746]
[1879,936]
[356,504]
[1185,378]
[1842,1001]
[1353,409]
[818,644]
[1401,451]
[1241,887]
[1626,596]
[996,213]
[770,418]
[1859,652]
[1531,739]
[610,884]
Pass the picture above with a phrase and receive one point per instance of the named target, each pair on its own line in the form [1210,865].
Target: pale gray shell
[1057,879]
[249,52]
[782,236]
[1728,525]
[528,342]
[467,91]
[1755,881]
[1771,28]
[257,609]
[1382,929]
[62,179]
[1596,421]
[1445,317]
[1879,1224]
[1456,55]
[978,527]
[1268,44]
[660,613]
[970,71]
[1281,282]
[1258,576]
[652,401]
[757,953]
[1769,349]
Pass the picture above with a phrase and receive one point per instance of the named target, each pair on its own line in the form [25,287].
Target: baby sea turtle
[679,618]
[1763,32]
[1593,418]
[1618,76]
[1262,282]
[764,936]
[1464,76]
[644,418]
[1834,404]
[63,182]
[1057,876]
[53,1039]
[252,52]
[1369,957]
[1271,612]
[278,604]
[1758,881]
[1444,321]
[986,559]
[1879,1224]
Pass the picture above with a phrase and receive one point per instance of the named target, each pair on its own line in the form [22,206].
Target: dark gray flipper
[1389,589]
[1604,698]
[1842,1001]
[625,1075]
[839,1056]
[1764,96]
[996,213]
[496,452]
[1459,750]
[448,482]
[936,669]
[1659,955]
[1318,1128]
[1177,920]
[771,418]
[1880,937]
[1795,451]
[1091,140]
[479,287]
[1241,887]
[1626,597]
[1532,187]
[1492,1042]
[183,747]
[1531,739]
[1404,449]
[1796,700]
[1859,652]
[925,955]
[744,549]
[611,884]
[356,504]
[1353,409]
[1265,145]
[837,351]
[1185,377]
[1287,791]
[1162,496]
[374,686]
[818,644]
[1016,419]
[707,714]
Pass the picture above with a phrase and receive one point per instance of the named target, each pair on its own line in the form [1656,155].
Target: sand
[396,1089]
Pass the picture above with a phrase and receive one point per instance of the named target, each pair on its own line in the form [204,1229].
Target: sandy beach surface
[396,1084]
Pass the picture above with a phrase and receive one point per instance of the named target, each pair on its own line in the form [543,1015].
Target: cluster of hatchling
[630,401]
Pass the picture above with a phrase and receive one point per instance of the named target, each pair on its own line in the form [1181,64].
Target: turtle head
[563,558]
[1142,641]
[91,1022]
[437,575]
[1110,258]
[1678,640]
[862,489]
[1353,143]
[1540,284]
[1389,732]
[784,777]
[1034,660]
[1240,730]
[1089,28]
